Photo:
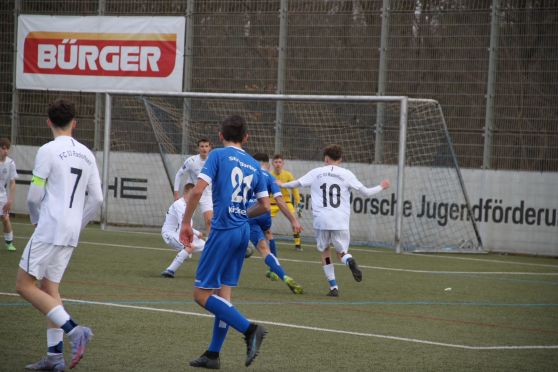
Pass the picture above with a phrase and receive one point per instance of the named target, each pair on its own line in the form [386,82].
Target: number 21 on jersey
[241,185]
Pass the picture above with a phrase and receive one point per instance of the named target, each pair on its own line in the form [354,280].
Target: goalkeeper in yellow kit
[292,200]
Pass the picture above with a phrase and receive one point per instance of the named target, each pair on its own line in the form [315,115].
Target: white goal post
[411,134]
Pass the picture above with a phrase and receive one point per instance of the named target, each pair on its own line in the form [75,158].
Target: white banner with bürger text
[100,54]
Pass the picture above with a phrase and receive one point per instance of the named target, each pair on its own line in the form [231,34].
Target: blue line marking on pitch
[344,303]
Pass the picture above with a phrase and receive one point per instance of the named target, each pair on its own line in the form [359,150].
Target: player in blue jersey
[260,227]
[234,177]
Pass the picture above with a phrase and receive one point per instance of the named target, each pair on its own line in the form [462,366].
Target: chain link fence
[493,70]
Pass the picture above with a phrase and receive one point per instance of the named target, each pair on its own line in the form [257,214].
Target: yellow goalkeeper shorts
[275,209]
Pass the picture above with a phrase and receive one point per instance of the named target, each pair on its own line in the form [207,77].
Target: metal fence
[492,64]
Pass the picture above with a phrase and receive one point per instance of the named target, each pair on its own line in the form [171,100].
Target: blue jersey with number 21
[235,178]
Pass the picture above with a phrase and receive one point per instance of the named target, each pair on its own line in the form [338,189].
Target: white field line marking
[317,329]
[338,264]
[483,260]
[458,272]
[372,250]
[370,267]
[128,246]
[365,250]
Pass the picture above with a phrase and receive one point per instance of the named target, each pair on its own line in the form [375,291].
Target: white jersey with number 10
[70,170]
[330,188]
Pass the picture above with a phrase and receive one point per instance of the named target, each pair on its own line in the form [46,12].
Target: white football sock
[329,272]
[58,315]
[179,260]
[54,337]
[345,258]
[9,236]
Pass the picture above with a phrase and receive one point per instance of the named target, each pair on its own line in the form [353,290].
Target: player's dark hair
[4,142]
[278,156]
[203,139]
[260,156]
[188,187]
[233,129]
[61,112]
[334,152]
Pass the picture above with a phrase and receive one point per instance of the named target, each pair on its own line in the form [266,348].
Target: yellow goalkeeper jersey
[286,176]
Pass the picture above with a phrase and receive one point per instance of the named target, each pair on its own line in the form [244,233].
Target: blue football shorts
[222,258]
[258,226]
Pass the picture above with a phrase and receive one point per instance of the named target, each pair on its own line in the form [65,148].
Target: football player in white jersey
[64,195]
[192,168]
[170,230]
[330,189]
[8,175]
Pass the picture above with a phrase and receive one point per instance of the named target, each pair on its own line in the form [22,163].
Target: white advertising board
[138,189]
[100,54]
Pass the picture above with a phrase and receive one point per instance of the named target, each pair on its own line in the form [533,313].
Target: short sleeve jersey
[7,174]
[191,169]
[270,185]
[330,188]
[285,176]
[234,177]
[70,170]
[174,216]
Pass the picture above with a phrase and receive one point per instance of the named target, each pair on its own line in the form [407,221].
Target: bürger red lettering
[91,57]
[70,56]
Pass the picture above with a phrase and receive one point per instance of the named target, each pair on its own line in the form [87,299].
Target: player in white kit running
[171,229]
[8,175]
[330,189]
[192,168]
[64,195]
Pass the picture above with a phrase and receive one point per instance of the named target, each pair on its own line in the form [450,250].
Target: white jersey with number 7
[70,171]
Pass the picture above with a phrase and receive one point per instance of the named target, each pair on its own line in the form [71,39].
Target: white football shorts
[173,240]
[340,240]
[3,201]
[45,260]
[206,202]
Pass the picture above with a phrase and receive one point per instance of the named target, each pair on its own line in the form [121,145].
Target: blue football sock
[220,330]
[226,312]
[68,326]
[274,265]
[56,349]
[272,247]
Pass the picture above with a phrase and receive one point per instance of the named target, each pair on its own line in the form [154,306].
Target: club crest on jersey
[100,54]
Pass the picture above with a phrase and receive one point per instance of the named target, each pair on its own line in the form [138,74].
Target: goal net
[434,216]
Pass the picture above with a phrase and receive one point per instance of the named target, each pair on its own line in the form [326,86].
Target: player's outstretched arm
[385,184]
[369,191]
[295,224]
[289,185]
